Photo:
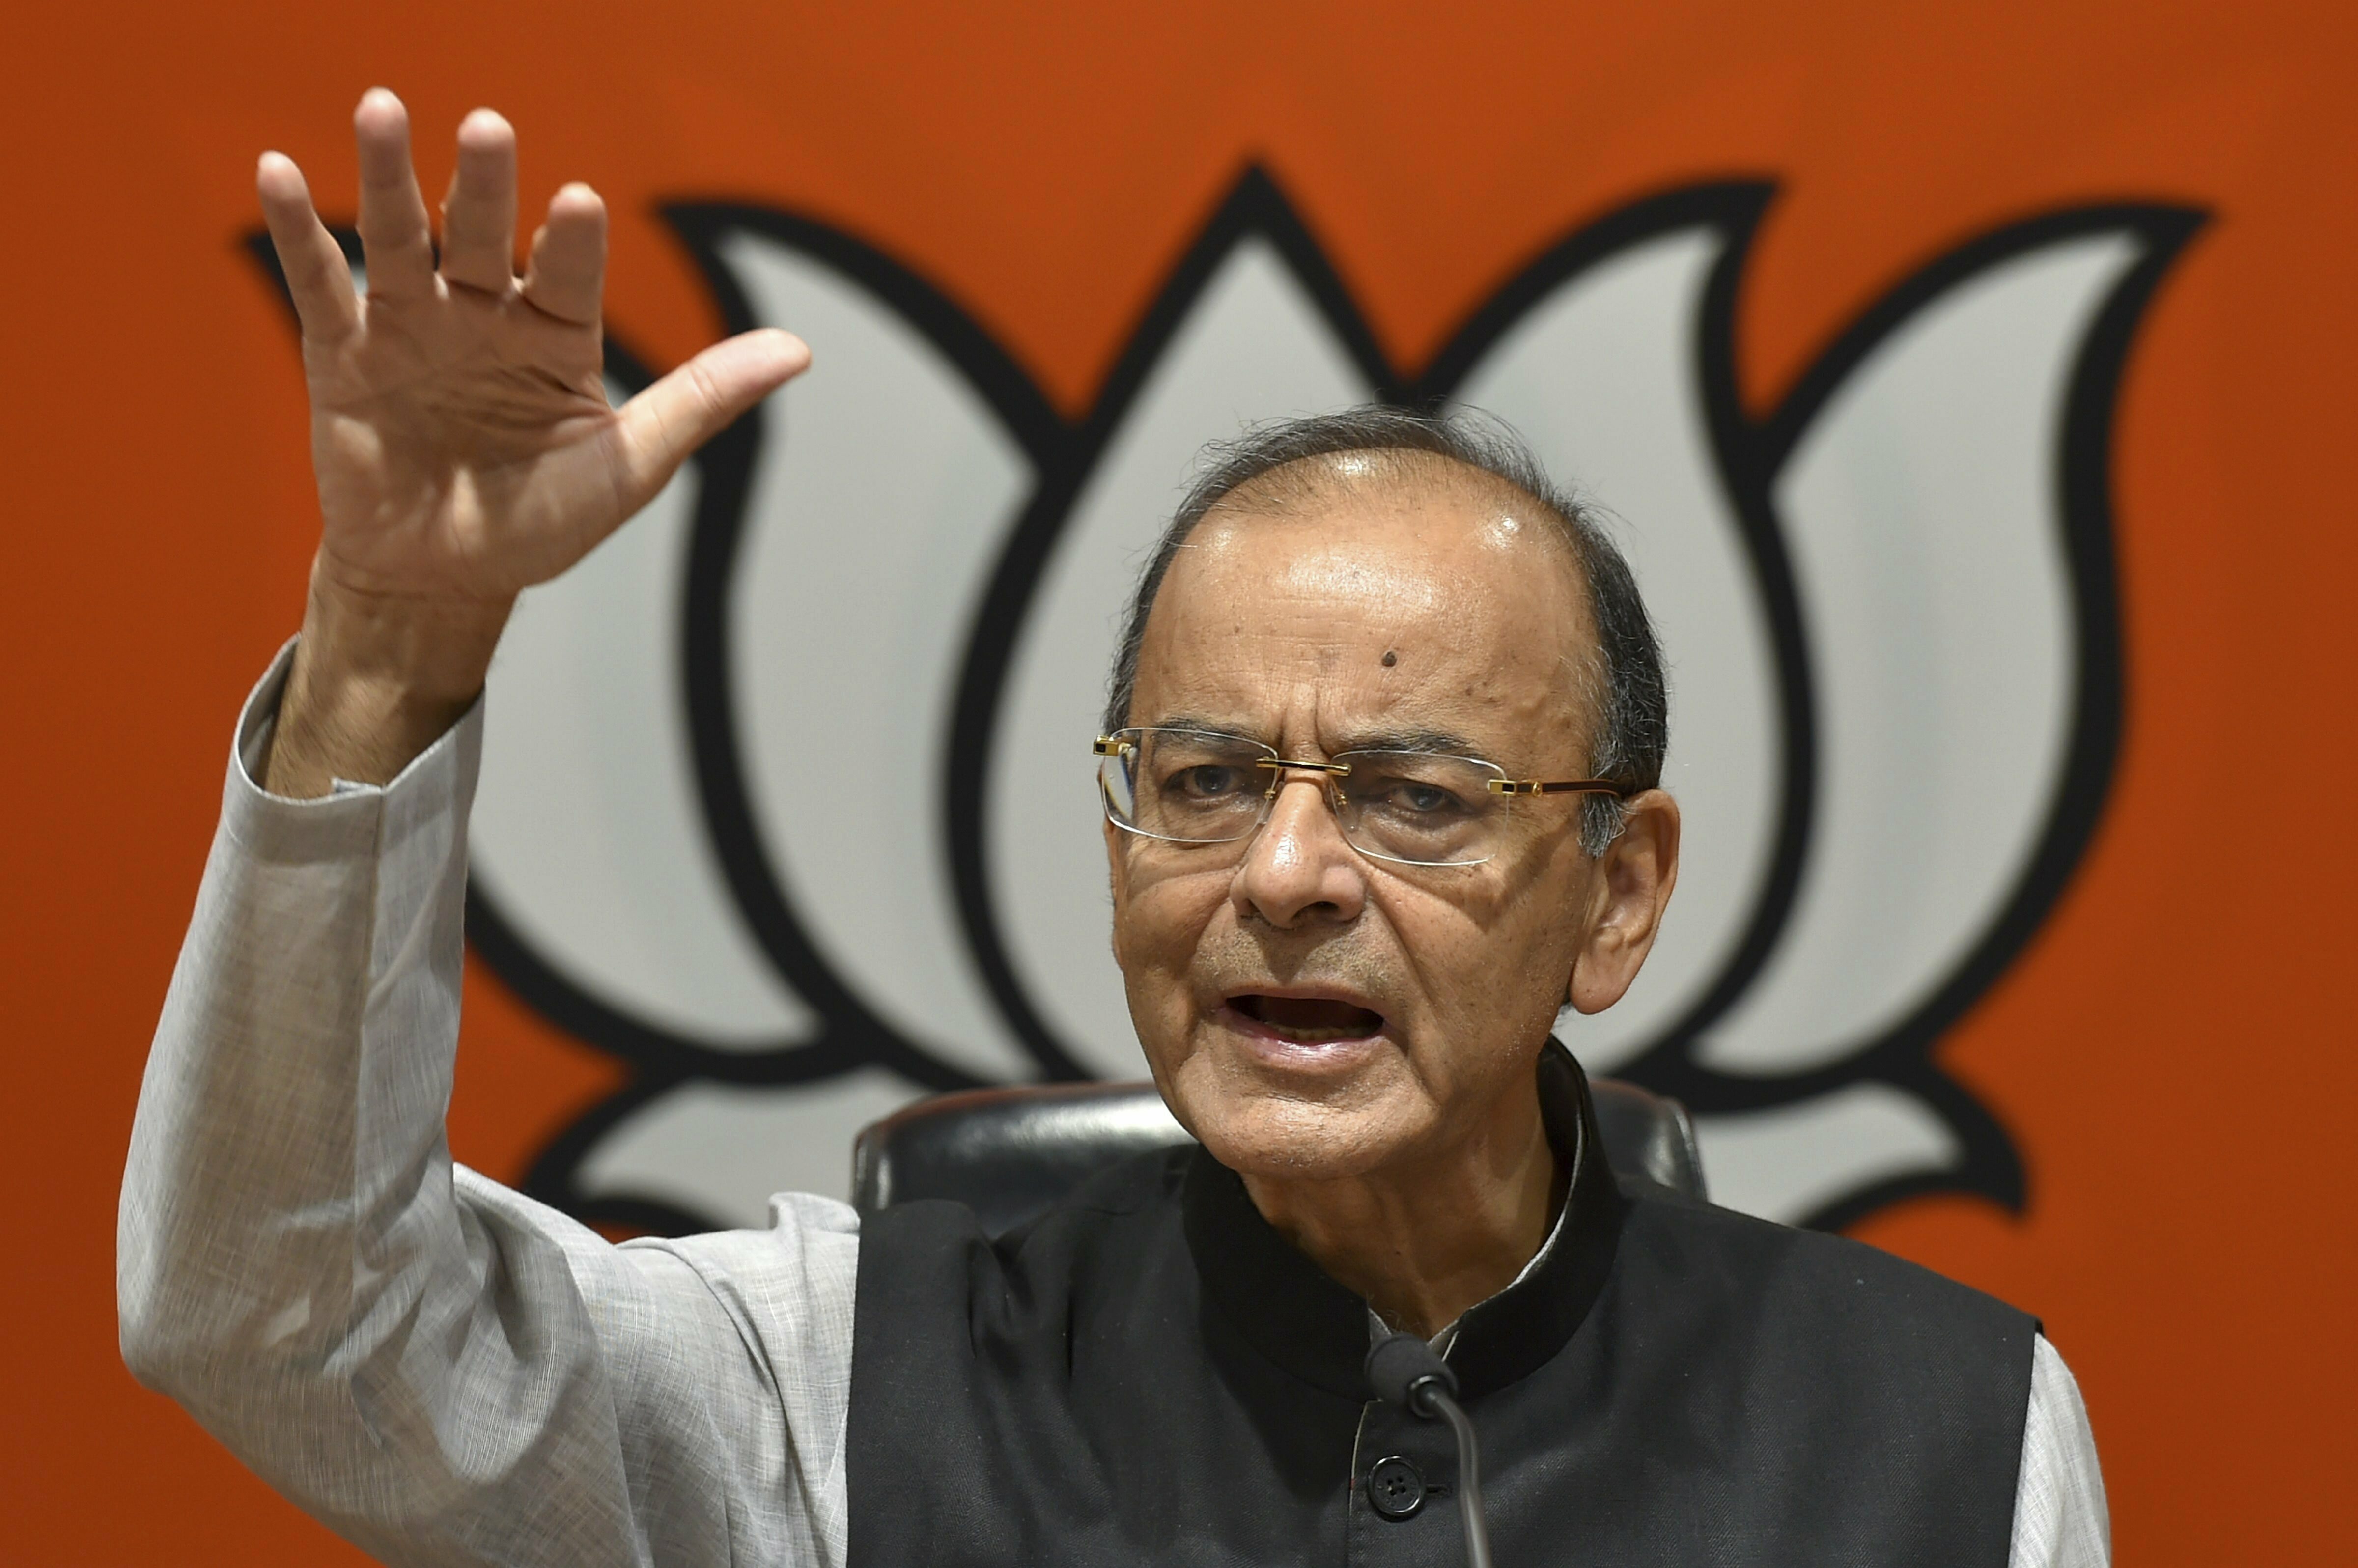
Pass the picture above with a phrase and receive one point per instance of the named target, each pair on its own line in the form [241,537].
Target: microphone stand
[1406,1374]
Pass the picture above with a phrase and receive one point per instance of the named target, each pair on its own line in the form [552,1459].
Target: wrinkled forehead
[1376,612]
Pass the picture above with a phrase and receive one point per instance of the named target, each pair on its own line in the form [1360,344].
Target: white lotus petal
[588,836]
[719,1150]
[1922,513]
[1787,1163]
[882,497]
[1599,376]
[1253,348]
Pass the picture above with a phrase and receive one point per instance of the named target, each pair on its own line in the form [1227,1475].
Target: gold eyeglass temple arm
[1557,786]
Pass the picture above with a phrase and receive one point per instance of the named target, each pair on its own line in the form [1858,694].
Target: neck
[1423,1240]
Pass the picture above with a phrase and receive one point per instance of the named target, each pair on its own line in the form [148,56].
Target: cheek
[1160,925]
[1498,950]
[1451,948]
[1159,918]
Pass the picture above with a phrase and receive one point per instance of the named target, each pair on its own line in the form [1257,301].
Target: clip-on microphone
[1404,1372]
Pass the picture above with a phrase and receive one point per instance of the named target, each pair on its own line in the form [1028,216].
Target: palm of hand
[464,446]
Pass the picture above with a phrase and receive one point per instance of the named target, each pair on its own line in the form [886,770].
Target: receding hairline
[1315,481]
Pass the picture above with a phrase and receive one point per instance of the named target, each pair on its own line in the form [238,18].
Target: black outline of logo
[1749,452]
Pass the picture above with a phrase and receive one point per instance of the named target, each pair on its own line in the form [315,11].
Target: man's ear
[1632,887]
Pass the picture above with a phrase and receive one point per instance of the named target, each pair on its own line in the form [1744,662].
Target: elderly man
[1380,774]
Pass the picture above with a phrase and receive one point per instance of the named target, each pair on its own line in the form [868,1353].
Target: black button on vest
[1395,1488]
[1152,1373]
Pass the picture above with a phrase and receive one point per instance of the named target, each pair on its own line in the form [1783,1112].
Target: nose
[1298,869]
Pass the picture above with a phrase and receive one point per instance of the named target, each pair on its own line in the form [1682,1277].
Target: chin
[1329,1128]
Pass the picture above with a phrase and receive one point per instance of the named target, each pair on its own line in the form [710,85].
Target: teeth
[1317,1036]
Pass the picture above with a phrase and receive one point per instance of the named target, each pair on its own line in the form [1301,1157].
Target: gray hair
[1627,694]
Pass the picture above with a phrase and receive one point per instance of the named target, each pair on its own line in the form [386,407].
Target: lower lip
[1283,1051]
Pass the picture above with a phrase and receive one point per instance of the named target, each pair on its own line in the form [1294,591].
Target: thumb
[661,425]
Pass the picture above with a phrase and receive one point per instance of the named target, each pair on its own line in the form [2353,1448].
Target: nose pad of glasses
[1329,786]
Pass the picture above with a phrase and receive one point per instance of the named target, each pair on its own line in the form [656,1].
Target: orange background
[2172,1053]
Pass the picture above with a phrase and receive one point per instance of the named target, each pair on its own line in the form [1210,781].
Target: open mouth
[1308,1020]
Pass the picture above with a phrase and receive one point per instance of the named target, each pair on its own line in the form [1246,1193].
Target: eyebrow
[1441,743]
[1203,726]
[1436,743]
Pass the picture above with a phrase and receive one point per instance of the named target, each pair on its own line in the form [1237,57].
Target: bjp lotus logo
[785,797]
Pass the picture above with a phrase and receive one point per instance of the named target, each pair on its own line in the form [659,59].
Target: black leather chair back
[1010,1154]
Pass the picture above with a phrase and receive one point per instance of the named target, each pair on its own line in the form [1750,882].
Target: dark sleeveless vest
[1152,1374]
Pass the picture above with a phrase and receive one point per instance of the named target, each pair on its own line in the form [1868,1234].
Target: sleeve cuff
[355,819]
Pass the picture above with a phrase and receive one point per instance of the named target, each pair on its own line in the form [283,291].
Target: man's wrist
[376,679]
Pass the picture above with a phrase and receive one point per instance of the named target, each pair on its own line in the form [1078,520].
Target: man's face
[1309,1011]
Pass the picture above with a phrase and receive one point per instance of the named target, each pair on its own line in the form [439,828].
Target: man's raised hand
[461,434]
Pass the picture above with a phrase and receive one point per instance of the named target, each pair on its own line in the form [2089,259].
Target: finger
[662,425]
[394,241]
[569,256]
[479,215]
[317,275]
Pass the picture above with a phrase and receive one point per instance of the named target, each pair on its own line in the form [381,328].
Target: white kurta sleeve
[440,1369]
[2059,1518]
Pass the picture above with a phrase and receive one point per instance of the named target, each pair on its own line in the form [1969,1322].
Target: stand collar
[1295,1315]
